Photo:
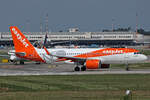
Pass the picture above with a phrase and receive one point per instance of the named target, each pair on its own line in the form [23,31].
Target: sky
[87,15]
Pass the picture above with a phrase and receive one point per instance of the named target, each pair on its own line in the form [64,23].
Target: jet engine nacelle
[14,58]
[95,64]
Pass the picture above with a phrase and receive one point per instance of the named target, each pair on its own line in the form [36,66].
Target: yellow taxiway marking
[51,66]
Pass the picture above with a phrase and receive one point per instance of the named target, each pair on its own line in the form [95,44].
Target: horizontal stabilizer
[20,53]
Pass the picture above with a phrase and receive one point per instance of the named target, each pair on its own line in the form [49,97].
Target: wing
[64,58]
[4,55]
[74,59]
[20,53]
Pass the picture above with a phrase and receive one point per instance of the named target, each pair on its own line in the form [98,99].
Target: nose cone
[144,57]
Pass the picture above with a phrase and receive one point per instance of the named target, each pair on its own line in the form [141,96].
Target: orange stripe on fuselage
[106,52]
[103,52]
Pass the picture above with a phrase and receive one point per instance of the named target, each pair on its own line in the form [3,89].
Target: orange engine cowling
[93,64]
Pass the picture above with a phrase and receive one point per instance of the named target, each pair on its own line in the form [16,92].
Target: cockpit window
[137,53]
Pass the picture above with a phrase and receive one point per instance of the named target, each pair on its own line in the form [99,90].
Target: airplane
[82,58]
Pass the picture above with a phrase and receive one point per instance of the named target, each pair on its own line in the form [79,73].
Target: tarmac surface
[64,69]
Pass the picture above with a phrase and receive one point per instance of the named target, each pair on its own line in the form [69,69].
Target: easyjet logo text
[19,37]
[113,51]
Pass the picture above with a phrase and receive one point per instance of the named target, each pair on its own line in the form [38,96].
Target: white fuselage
[121,58]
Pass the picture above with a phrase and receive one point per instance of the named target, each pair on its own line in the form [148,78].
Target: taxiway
[46,69]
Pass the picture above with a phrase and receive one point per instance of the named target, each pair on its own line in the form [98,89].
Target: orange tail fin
[21,43]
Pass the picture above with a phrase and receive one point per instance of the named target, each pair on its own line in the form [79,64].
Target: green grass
[146,52]
[132,66]
[3,53]
[72,87]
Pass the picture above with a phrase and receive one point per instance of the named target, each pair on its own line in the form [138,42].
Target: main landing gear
[83,68]
[37,63]
[15,62]
[21,62]
[127,67]
[77,68]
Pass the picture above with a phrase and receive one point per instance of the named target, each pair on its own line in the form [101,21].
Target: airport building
[76,38]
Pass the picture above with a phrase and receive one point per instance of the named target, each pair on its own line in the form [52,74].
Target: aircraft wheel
[83,68]
[21,62]
[127,69]
[77,68]
[37,63]
[15,62]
